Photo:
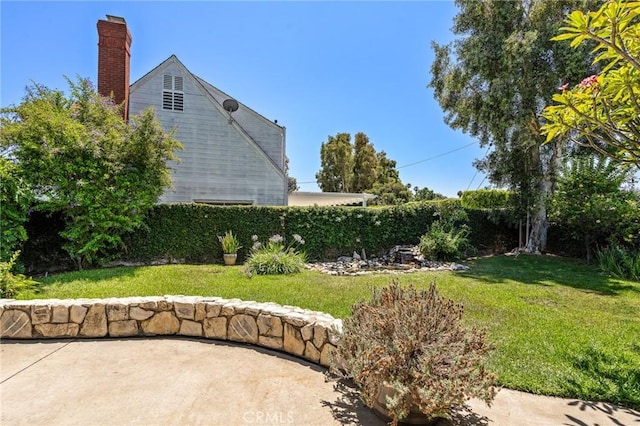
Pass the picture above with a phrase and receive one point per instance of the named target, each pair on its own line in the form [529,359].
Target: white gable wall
[266,133]
[219,163]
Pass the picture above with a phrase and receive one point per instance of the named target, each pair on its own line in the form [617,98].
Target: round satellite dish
[230,105]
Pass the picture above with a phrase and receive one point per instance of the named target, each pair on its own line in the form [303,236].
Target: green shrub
[189,232]
[274,258]
[14,201]
[11,283]
[407,349]
[620,262]
[486,199]
[442,242]
[229,243]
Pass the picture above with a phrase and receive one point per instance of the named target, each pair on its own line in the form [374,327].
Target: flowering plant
[229,242]
[274,258]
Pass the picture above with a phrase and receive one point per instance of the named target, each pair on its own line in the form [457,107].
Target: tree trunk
[537,243]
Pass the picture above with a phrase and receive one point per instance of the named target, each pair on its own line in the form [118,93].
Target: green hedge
[486,199]
[189,232]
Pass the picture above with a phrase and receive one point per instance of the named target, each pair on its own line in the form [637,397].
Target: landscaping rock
[293,342]
[95,322]
[57,330]
[400,259]
[161,323]
[77,313]
[190,328]
[243,328]
[60,314]
[269,326]
[139,314]
[215,328]
[15,324]
[123,328]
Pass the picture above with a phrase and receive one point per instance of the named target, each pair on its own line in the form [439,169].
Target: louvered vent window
[172,93]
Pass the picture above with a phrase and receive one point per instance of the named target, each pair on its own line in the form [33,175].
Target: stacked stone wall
[306,334]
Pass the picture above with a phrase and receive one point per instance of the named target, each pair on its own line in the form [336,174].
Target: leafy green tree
[387,171]
[390,192]
[603,111]
[426,194]
[336,160]
[388,187]
[348,167]
[365,164]
[492,82]
[591,203]
[79,157]
[15,200]
[292,184]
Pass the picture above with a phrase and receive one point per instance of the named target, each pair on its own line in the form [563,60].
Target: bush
[274,258]
[411,346]
[229,243]
[442,242]
[486,199]
[15,200]
[12,283]
[189,232]
[620,262]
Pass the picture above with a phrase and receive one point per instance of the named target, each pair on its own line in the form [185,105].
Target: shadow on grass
[611,377]
[545,271]
[89,275]
[94,275]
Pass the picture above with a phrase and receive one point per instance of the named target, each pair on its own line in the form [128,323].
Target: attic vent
[172,93]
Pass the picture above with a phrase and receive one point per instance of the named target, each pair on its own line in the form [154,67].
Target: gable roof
[247,118]
[239,119]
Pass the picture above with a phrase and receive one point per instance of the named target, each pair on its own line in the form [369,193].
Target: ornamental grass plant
[620,262]
[274,258]
[229,243]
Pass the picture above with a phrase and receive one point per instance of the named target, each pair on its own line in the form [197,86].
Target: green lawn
[560,327]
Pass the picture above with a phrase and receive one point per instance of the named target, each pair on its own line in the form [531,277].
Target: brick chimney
[114,53]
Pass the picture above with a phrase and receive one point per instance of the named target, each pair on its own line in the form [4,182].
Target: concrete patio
[171,381]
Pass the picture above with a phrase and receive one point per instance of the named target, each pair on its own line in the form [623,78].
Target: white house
[231,156]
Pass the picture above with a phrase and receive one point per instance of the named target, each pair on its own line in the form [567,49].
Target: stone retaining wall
[305,334]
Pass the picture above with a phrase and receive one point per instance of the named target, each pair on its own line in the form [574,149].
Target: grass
[560,327]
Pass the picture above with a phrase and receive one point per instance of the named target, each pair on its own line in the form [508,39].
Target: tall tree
[79,157]
[592,204]
[603,111]
[365,164]
[388,187]
[348,167]
[15,200]
[493,82]
[336,158]
[387,170]
[292,184]
[426,194]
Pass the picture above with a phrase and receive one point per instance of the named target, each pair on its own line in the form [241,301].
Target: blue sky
[319,68]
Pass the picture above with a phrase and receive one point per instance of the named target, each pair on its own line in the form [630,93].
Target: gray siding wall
[266,133]
[218,162]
